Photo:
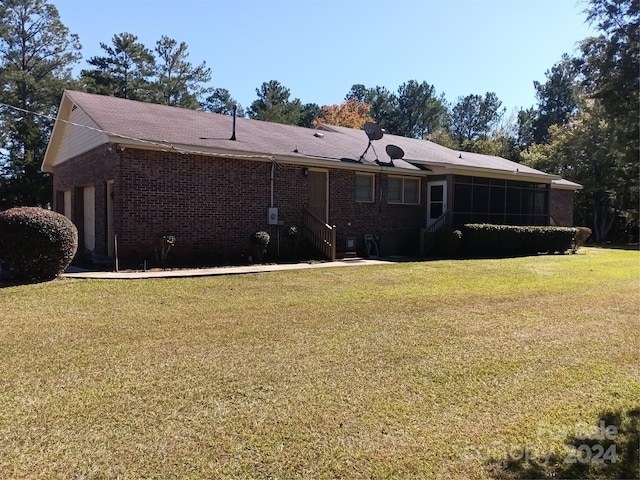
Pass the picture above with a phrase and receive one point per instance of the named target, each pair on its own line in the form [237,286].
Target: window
[404,190]
[364,187]
[478,200]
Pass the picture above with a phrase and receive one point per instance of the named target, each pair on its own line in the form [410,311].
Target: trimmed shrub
[486,240]
[36,244]
[582,235]
[448,243]
[260,241]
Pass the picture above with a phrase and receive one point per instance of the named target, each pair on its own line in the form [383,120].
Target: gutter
[491,172]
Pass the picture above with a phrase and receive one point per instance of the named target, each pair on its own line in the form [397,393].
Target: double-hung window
[404,190]
[365,186]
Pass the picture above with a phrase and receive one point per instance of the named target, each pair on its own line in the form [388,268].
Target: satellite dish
[373,131]
[396,153]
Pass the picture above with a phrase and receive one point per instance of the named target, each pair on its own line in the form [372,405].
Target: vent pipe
[233,134]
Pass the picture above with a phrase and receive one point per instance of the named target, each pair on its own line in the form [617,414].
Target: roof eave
[567,186]
[515,174]
[293,159]
[54,141]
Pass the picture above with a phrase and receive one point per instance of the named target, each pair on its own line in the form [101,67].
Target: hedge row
[504,240]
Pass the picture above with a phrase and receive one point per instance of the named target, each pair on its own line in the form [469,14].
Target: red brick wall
[561,206]
[91,168]
[397,226]
[212,205]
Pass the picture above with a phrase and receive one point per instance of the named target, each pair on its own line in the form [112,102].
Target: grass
[442,369]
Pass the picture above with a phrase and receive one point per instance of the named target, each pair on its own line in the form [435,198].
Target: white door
[436,201]
[110,232]
[67,204]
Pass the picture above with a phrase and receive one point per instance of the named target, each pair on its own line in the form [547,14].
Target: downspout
[273,168]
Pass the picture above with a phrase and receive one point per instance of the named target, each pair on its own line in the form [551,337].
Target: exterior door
[110,232]
[89,217]
[318,194]
[436,201]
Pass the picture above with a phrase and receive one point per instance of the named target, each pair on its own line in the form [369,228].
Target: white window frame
[403,201]
[372,189]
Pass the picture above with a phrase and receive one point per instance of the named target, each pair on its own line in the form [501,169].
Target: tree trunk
[602,223]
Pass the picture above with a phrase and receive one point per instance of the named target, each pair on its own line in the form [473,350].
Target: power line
[164,146]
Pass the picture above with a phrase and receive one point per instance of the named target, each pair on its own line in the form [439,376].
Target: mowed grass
[413,370]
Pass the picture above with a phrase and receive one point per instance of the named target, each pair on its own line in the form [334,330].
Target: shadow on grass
[6,283]
[611,451]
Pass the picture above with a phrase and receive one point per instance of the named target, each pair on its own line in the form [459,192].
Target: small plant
[292,234]
[260,241]
[36,244]
[164,243]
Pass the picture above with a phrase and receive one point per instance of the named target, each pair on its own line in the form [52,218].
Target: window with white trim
[365,184]
[404,190]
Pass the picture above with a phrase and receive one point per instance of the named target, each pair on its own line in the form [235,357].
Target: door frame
[326,194]
[443,183]
[110,230]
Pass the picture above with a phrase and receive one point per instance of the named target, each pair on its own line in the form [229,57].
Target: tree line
[584,126]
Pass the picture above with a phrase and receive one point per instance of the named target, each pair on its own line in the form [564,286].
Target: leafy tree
[351,113]
[125,71]
[442,136]
[358,93]
[382,103]
[474,116]
[583,151]
[178,82]
[36,55]
[308,113]
[558,97]
[526,128]
[611,61]
[383,107]
[415,111]
[610,67]
[420,111]
[273,104]
[497,144]
[220,101]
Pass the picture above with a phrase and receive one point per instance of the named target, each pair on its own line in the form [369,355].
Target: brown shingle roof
[208,132]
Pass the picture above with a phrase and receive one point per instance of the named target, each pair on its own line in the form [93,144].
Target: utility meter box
[272,216]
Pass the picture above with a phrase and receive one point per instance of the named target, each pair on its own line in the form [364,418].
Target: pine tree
[125,71]
[36,55]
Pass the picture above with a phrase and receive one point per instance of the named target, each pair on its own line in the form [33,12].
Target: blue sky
[319,49]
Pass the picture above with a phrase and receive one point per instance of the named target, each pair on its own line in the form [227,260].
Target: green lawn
[439,369]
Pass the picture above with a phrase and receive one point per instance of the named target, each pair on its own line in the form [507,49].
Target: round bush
[260,239]
[35,243]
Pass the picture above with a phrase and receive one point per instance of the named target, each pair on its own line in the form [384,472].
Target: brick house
[127,172]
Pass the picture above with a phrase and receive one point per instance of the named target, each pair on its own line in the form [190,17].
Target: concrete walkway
[204,272]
